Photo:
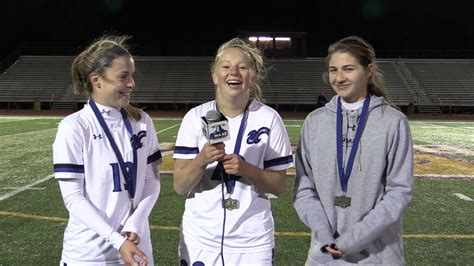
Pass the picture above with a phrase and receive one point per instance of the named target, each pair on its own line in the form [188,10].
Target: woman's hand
[211,153]
[333,250]
[132,236]
[130,252]
[233,164]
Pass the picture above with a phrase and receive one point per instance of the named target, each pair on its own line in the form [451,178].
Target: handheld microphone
[215,127]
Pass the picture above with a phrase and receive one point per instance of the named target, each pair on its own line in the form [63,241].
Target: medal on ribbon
[345,201]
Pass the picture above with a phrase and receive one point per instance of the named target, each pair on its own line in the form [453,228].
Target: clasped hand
[130,251]
[233,163]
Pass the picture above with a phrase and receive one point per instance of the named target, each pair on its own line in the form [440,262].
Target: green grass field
[438,227]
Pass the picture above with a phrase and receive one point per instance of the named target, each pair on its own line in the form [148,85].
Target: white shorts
[191,256]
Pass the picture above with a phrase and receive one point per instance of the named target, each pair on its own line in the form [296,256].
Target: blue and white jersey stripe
[155,157]
[186,150]
[68,168]
[278,161]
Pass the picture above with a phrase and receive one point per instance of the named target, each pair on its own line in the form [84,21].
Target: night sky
[196,28]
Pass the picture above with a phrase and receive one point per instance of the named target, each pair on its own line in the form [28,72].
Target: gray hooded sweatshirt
[380,186]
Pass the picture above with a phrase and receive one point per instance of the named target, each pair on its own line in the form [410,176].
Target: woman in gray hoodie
[354,165]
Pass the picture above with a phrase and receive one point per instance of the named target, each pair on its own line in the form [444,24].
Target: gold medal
[342,201]
[231,204]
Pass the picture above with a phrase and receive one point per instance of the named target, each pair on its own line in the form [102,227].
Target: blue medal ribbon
[230,179]
[344,175]
[130,175]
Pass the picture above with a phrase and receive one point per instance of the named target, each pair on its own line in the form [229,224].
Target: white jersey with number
[82,151]
[250,228]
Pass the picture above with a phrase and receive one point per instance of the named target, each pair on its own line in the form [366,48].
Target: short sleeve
[68,151]
[187,142]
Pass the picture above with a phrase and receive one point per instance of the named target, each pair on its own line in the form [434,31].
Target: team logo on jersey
[98,136]
[254,135]
[137,139]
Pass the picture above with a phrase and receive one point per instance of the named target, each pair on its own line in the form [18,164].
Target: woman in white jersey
[354,165]
[106,160]
[227,218]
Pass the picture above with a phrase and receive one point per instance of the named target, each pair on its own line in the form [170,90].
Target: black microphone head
[212,116]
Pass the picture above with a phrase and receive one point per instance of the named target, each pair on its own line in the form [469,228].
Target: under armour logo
[105,111]
[353,127]
[97,136]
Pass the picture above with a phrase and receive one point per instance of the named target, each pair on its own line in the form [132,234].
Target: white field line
[439,122]
[11,188]
[4,117]
[13,193]
[168,128]
[24,118]
[463,197]
[29,132]
[2,120]
[444,176]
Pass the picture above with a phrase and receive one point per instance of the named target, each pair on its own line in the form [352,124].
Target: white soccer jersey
[265,144]
[82,151]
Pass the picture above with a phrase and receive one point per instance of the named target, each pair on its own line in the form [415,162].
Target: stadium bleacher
[447,81]
[187,80]
[35,78]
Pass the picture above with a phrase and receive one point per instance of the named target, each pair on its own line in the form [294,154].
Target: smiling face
[348,77]
[232,74]
[113,87]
